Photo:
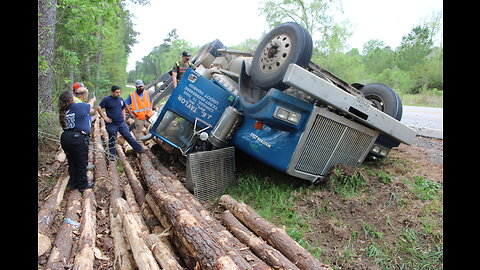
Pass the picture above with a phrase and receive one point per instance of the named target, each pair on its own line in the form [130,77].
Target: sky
[233,21]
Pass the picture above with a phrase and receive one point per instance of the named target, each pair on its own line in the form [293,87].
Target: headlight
[287,116]
[380,150]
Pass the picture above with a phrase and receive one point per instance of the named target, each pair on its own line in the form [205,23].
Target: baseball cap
[77,85]
[186,53]
[138,83]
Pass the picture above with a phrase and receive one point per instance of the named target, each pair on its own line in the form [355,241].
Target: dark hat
[138,83]
[186,53]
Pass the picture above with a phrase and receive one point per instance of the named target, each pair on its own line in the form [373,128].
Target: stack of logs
[163,228]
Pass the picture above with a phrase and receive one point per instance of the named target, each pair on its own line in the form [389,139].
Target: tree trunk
[180,248]
[123,257]
[235,249]
[267,253]
[49,208]
[47,213]
[62,247]
[162,253]
[191,229]
[85,256]
[275,236]
[47,13]
[135,236]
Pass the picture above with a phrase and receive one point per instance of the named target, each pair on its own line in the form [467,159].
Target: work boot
[87,186]
[144,150]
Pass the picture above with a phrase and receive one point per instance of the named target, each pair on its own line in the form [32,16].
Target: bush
[397,79]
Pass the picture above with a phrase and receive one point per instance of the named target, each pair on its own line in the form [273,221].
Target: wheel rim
[377,102]
[275,53]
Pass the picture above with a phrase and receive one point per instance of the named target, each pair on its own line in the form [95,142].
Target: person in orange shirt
[139,105]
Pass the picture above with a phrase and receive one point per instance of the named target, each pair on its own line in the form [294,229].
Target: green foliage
[93,42]
[161,58]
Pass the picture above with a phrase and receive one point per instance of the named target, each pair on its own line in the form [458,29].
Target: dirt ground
[385,226]
[368,231]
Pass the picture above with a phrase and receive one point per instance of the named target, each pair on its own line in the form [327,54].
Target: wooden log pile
[142,217]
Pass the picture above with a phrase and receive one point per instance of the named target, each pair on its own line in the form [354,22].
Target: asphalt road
[425,120]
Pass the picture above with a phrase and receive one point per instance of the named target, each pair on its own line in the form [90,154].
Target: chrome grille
[209,173]
[331,142]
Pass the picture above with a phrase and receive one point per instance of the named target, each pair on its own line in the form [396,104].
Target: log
[180,248]
[134,208]
[138,191]
[238,251]
[123,257]
[49,208]
[48,212]
[44,244]
[266,252]
[156,181]
[100,172]
[59,159]
[191,230]
[144,258]
[61,251]
[163,255]
[275,236]
[85,256]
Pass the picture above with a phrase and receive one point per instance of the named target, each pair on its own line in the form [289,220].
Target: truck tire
[285,44]
[384,99]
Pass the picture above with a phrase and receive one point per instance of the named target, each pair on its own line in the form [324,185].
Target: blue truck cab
[283,110]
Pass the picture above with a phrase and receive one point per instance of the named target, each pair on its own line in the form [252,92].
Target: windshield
[177,130]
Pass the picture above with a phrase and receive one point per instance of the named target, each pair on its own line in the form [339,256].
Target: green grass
[431,98]
[271,200]
[347,185]
[419,245]
[424,189]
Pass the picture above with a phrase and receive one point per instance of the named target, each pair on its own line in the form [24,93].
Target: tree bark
[47,213]
[62,247]
[275,236]
[85,256]
[123,257]
[180,248]
[191,229]
[266,252]
[49,208]
[132,229]
[162,253]
[47,13]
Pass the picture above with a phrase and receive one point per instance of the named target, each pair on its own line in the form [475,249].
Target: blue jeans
[112,129]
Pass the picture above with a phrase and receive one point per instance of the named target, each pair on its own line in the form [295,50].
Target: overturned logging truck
[276,106]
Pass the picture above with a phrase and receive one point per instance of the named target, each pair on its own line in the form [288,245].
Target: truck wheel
[285,44]
[384,99]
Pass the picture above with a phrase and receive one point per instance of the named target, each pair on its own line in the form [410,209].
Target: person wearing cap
[75,88]
[80,95]
[139,105]
[114,106]
[179,68]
